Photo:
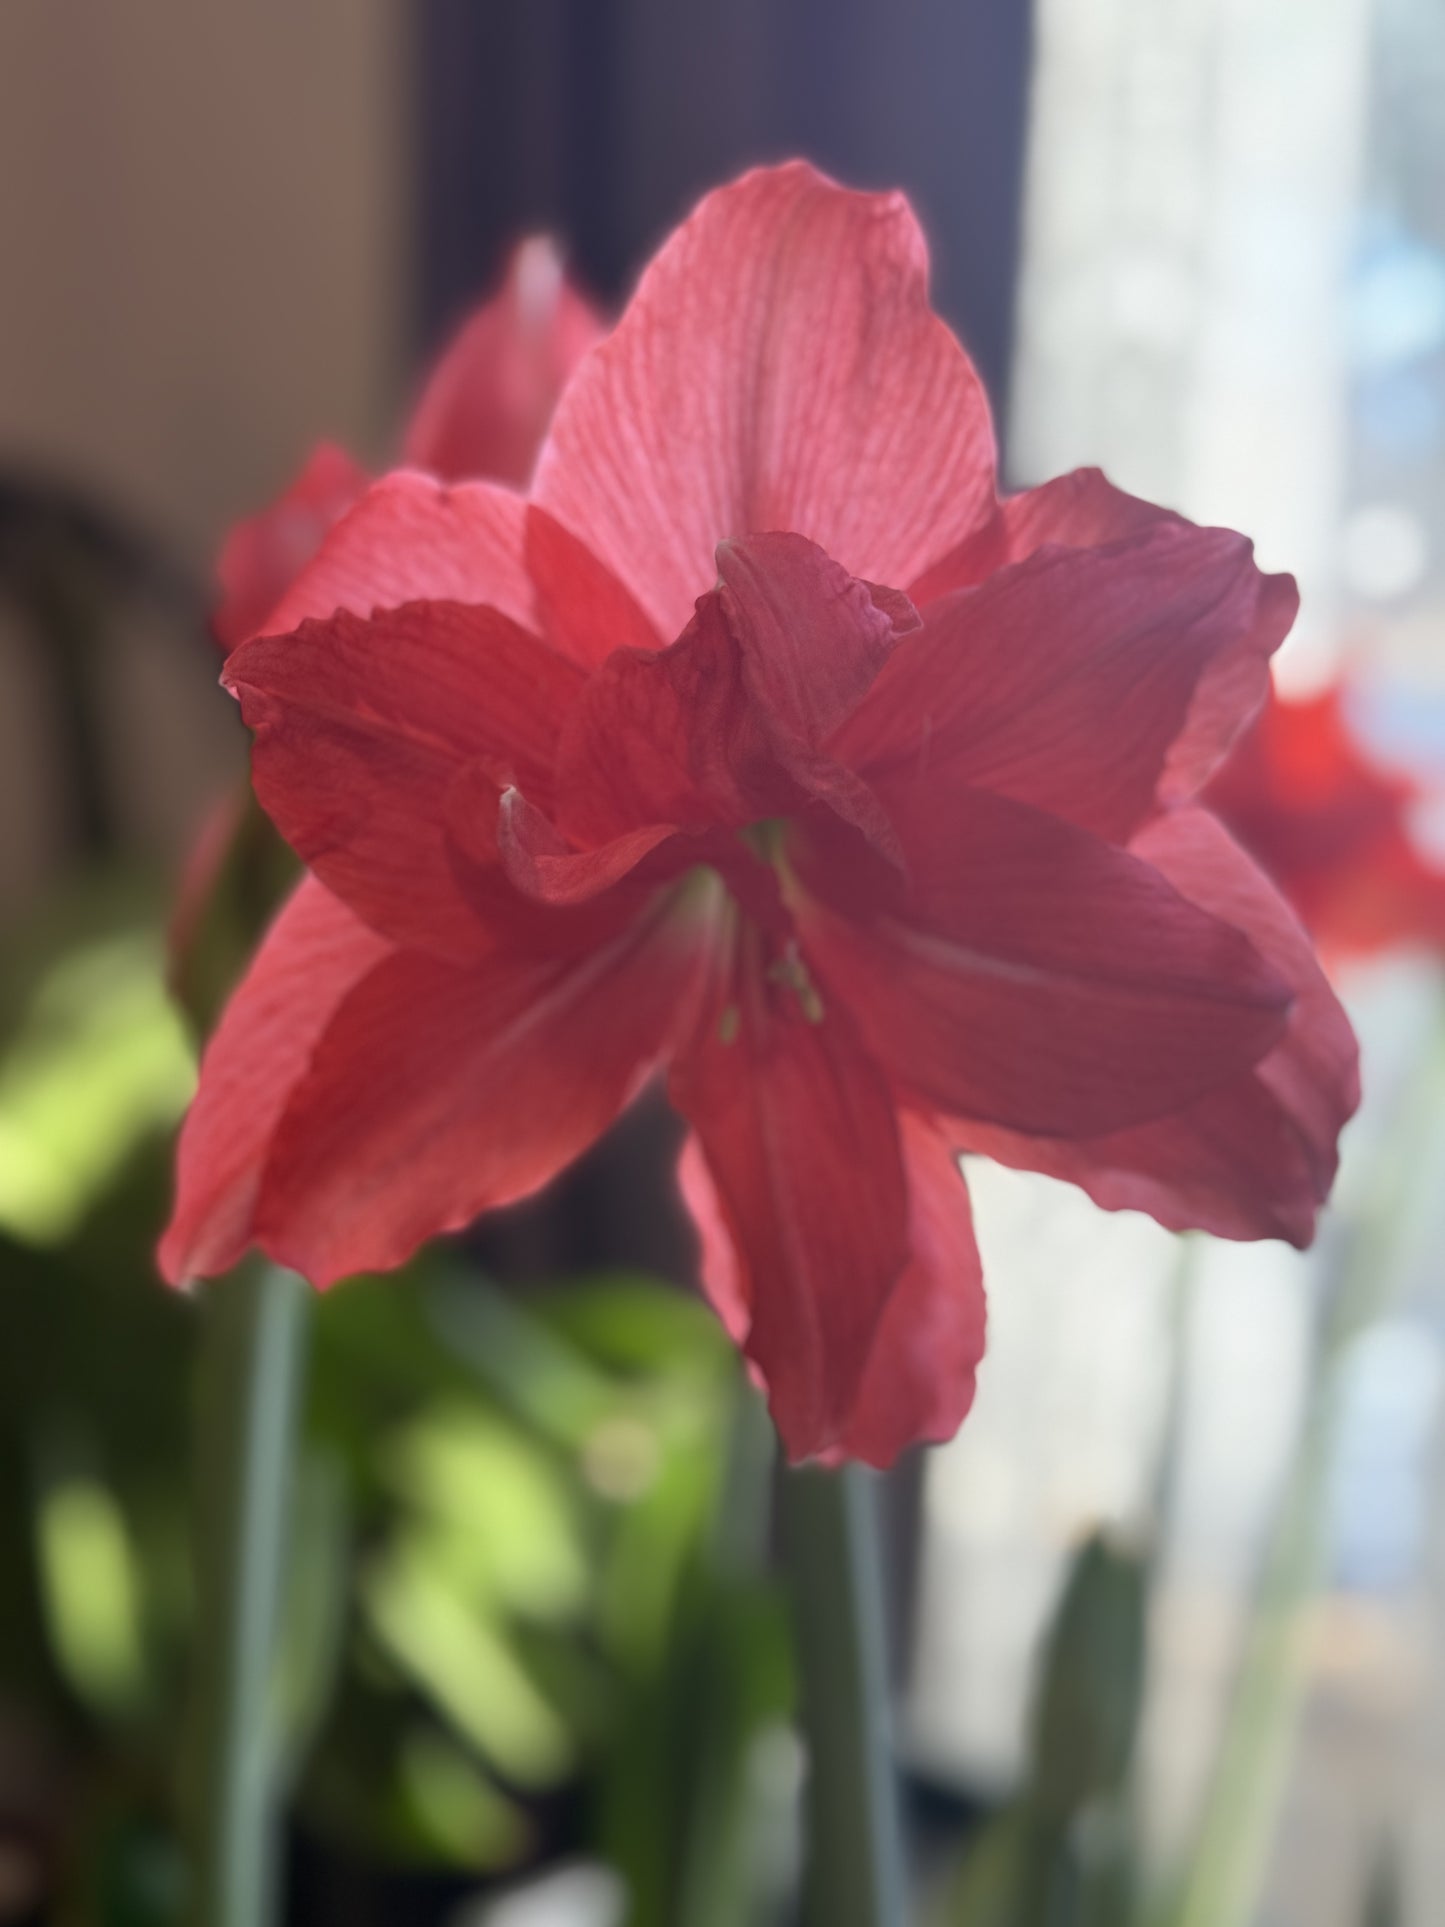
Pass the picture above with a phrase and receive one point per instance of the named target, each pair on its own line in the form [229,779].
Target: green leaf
[1092,1685]
[92,1591]
[1385,1896]
[96,1062]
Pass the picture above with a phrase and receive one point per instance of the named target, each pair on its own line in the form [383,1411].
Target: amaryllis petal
[1080,510]
[1083,681]
[1040,978]
[920,1378]
[543,866]
[798,1132]
[725,728]
[316,952]
[812,638]
[720,1269]
[1083,510]
[360,728]
[668,736]
[532,888]
[1230,693]
[1313,1074]
[263,555]
[440,1091]
[921,1374]
[412,538]
[487,403]
[583,609]
[1255,1159]
[779,367]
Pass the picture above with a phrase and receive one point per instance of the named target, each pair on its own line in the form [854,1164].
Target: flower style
[763,743]
[483,412]
[1331,825]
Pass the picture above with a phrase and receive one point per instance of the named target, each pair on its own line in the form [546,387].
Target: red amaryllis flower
[1331,825]
[766,745]
[483,412]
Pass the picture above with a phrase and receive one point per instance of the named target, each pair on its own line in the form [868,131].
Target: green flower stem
[855,1875]
[249,1395]
[1248,1783]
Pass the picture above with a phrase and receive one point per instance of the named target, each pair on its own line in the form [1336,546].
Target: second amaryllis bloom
[482,413]
[1331,823]
[764,745]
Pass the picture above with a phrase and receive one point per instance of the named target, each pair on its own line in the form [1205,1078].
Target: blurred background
[1169,1617]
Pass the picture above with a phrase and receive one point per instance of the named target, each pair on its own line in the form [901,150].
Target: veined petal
[409,539]
[1080,510]
[1085,681]
[812,638]
[725,728]
[263,555]
[800,1140]
[315,953]
[779,367]
[439,1091]
[524,880]
[1256,1158]
[921,1375]
[583,609]
[1035,976]
[668,736]
[920,1378]
[487,403]
[540,864]
[721,1272]
[360,729]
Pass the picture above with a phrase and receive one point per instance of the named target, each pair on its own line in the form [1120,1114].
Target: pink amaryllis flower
[764,745]
[483,412]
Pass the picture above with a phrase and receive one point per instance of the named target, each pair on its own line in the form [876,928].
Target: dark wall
[605,119]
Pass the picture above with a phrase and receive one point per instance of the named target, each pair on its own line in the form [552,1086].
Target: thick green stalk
[855,1874]
[1248,1783]
[252,1355]
[1249,1775]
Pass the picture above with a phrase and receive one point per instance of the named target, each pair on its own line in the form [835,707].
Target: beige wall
[202,265]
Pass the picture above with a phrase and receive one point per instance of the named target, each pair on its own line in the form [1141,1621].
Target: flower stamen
[793,974]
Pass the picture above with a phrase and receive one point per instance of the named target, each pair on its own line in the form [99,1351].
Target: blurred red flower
[1331,825]
[651,769]
[482,413]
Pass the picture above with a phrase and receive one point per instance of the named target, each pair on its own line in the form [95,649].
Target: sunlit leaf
[1093,1681]
[98,1061]
[497,1511]
[92,1594]
[455,1806]
[464,1661]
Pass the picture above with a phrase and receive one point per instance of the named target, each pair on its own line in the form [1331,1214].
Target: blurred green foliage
[528,1609]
